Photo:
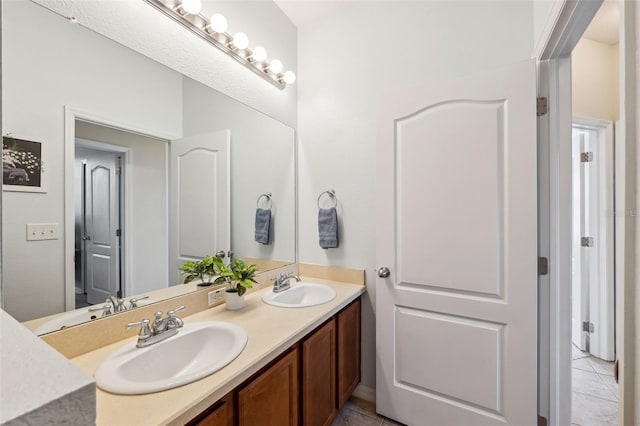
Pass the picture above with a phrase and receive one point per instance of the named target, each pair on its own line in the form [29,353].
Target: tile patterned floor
[594,397]
[358,412]
[595,391]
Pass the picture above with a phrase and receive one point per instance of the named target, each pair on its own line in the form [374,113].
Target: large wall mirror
[142,169]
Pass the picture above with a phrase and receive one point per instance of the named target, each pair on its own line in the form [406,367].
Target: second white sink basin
[301,295]
[198,350]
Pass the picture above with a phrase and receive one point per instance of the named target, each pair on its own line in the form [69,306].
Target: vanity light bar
[200,26]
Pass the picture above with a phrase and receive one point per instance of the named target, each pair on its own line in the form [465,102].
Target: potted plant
[239,277]
[204,270]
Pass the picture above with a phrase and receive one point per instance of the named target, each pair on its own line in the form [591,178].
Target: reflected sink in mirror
[198,350]
[301,295]
[78,316]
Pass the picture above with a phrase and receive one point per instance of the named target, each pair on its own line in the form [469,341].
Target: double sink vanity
[291,357]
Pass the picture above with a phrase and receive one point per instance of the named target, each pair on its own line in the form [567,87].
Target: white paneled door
[200,204]
[101,226]
[456,293]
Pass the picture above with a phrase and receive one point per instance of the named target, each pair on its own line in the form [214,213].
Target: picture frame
[23,165]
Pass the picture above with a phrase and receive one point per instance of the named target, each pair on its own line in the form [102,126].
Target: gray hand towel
[328,228]
[263,226]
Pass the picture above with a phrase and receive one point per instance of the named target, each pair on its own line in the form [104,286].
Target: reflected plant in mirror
[203,270]
[156,150]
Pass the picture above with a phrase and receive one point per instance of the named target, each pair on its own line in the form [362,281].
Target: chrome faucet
[281,281]
[118,304]
[159,330]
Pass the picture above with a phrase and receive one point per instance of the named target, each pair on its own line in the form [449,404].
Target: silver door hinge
[587,326]
[543,266]
[586,157]
[118,171]
[587,242]
[118,232]
[542,106]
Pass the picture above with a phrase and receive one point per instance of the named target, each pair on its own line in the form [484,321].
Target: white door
[457,228]
[200,205]
[579,262]
[102,223]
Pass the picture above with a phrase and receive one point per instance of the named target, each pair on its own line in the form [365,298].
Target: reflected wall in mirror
[86,95]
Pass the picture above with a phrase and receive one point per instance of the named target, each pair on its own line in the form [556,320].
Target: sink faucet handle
[172,312]
[145,331]
[133,302]
[172,320]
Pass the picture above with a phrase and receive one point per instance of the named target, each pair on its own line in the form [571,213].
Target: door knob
[384,272]
[221,254]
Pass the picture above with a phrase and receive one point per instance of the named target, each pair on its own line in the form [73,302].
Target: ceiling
[302,12]
[605,26]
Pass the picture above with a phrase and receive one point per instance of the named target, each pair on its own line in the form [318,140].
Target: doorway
[593,325]
[99,213]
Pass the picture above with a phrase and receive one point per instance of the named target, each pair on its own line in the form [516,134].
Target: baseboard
[366,393]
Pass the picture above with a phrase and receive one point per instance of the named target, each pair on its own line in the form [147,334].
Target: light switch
[42,231]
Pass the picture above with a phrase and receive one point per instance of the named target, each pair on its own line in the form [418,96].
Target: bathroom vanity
[300,364]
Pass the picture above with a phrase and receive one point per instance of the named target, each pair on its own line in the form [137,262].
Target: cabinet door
[319,376]
[271,399]
[219,414]
[348,351]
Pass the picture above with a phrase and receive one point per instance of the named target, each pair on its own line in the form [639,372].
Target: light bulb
[192,6]
[259,54]
[289,77]
[218,23]
[275,66]
[240,40]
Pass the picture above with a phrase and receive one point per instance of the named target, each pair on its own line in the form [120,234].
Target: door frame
[70,116]
[605,313]
[566,25]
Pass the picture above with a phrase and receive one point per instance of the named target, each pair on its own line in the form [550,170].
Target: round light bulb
[240,40]
[289,77]
[219,23]
[259,54]
[275,66]
[192,6]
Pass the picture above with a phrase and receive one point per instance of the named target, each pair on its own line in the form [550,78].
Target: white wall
[346,62]
[595,80]
[140,27]
[41,74]
[146,229]
[262,160]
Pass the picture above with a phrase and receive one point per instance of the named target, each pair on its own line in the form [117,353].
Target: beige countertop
[270,329]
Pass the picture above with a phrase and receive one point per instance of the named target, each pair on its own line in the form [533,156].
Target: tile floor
[358,412]
[594,397]
[595,391]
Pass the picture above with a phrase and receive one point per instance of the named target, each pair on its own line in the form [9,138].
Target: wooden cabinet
[348,351]
[271,399]
[319,376]
[219,414]
[309,384]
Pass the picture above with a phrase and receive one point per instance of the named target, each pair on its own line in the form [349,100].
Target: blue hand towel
[328,228]
[263,226]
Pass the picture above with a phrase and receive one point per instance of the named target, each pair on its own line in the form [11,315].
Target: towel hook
[266,195]
[331,193]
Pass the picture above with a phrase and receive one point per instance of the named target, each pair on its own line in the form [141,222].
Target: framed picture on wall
[22,165]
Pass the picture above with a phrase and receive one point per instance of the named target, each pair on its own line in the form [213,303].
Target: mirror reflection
[142,169]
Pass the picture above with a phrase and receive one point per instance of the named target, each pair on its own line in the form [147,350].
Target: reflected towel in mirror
[264,234]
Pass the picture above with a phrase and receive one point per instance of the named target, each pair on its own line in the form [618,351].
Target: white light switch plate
[42,231]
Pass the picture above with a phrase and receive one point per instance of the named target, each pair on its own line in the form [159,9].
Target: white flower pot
[234,302]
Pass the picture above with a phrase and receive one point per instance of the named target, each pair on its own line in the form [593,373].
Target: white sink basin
[301,295]
[198,350]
